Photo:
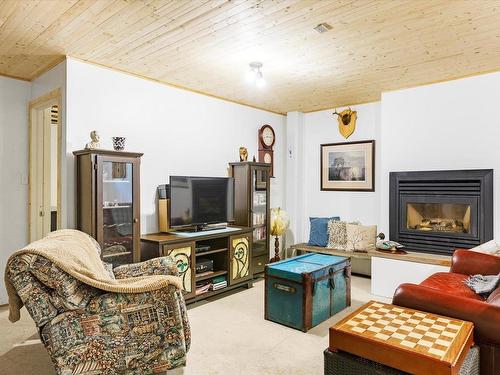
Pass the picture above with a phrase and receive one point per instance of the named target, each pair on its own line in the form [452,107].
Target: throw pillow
[491,247]
[318,235]
[337,235]
[361,237]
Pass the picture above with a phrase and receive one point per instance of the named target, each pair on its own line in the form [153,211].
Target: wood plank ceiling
[206,46]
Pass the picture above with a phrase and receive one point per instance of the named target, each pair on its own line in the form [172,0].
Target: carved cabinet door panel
[240,265]
[183,255]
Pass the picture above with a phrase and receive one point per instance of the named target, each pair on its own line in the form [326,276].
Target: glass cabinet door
[259,210]
[117,212]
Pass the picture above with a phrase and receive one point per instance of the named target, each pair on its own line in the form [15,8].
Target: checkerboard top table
[406,339]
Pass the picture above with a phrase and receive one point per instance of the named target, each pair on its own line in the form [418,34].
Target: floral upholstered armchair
[89,331]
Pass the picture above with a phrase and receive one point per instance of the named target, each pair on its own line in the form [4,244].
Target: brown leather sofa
[445,293]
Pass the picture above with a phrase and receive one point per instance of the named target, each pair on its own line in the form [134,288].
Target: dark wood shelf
[212,275]
[107,256]
[255,226]
[115,225]
[212,293]
[211,252]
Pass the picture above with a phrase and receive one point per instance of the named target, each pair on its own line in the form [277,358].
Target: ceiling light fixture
[255,76]
[323,28]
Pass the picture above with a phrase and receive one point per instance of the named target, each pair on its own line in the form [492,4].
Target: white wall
[14,98]
[180,132]
[322,127]
[294,194]
[451,125]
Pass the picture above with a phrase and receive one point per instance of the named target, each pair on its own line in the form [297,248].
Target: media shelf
[211,252]
[108,256]
[211,276]
[213,293]
[230,251]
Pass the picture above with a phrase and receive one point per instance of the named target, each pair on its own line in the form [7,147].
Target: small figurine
[254,160]
[243,154]
[94,144]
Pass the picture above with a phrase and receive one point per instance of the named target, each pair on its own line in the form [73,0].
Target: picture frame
[347,166]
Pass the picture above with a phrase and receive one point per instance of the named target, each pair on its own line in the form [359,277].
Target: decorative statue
[347,121]
[94,144]
[243,154]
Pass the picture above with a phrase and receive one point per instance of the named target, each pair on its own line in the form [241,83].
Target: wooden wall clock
[267,138]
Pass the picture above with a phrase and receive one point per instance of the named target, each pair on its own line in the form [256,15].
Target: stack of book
[219,283]
[203,287]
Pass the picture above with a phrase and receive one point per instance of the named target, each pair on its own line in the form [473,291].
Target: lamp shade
[279,221]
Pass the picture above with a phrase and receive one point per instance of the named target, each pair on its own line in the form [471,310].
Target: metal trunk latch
[331,279]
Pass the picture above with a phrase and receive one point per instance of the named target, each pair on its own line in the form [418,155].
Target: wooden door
[44,167]
[184,255]
[240,265]
[118,208]
[44,197]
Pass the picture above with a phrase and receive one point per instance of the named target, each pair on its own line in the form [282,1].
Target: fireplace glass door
[438,217]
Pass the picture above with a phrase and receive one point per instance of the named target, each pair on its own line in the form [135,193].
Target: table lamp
[279,224]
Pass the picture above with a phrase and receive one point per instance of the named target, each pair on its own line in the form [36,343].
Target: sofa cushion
[318,235]
[452,283]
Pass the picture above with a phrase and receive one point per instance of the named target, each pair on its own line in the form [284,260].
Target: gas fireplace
[438,211]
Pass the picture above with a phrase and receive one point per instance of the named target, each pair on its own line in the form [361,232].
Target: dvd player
[202,249]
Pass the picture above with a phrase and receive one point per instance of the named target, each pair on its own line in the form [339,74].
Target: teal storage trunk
[303,291]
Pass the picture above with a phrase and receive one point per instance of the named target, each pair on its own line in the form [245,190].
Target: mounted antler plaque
[347,121]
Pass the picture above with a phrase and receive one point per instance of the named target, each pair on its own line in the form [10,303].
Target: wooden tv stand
[231,253]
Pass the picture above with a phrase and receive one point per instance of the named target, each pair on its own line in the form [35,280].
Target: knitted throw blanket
[483,285]
[74,252]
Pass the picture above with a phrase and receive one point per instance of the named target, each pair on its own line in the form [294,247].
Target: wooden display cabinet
[251,207]
[108,202]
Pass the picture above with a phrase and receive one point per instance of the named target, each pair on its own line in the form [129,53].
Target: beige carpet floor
[230,336]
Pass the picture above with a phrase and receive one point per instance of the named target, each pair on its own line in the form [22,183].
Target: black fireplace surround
[439,211]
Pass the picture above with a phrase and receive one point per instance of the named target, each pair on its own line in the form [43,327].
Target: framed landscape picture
[348,166]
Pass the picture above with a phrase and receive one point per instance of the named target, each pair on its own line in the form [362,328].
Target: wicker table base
[341,363]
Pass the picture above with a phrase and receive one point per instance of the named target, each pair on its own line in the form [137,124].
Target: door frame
[41,103]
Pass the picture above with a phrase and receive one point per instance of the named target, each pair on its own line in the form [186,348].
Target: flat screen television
[198,201]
